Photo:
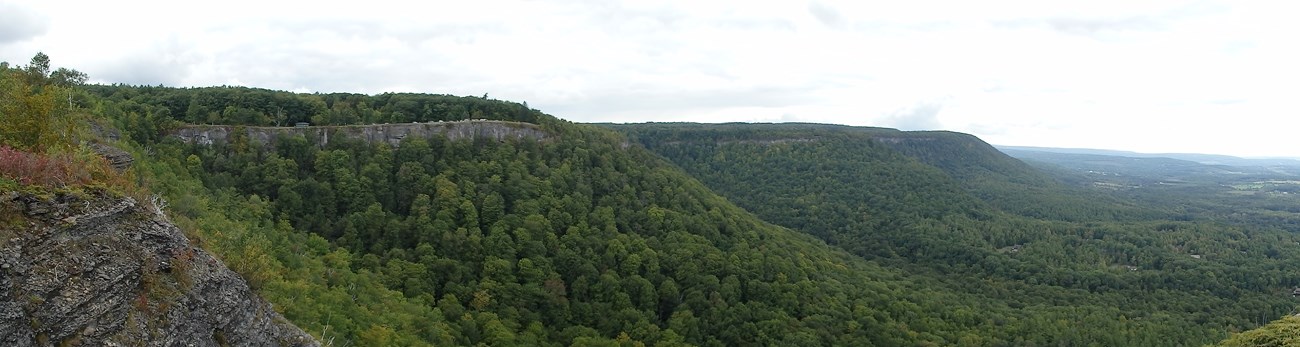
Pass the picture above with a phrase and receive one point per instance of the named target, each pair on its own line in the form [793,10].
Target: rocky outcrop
[118,159]
[392,134]
[91,269]
[898,140]
[760,142]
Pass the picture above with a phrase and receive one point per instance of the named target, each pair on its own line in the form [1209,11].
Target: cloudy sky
[1151,76]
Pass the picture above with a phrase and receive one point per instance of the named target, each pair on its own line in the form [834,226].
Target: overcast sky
[1150,76]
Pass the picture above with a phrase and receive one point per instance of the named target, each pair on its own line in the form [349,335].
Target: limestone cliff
[92,269]
[391,134]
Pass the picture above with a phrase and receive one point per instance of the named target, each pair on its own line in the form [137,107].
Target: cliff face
[89,269]
[391,134]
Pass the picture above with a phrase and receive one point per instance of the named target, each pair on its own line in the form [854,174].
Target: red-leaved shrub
[39,169]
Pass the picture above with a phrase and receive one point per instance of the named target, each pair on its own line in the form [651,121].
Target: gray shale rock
[95,270]
[118,159]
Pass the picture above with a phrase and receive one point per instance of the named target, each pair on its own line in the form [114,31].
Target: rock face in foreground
[89,269]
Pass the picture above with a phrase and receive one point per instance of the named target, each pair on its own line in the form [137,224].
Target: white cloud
[18,23]
[1146,76]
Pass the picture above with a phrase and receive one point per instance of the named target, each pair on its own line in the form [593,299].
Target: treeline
[263,107]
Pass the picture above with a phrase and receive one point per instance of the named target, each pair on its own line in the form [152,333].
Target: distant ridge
[1210,159]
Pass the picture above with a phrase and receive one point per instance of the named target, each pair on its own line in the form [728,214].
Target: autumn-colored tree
[34,119]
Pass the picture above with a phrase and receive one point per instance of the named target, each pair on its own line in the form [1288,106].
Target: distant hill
[1003,181]
[1209,159]
[1127,170]
[960,160]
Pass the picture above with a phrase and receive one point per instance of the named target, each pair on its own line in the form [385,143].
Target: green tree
[68,78]
[34,119]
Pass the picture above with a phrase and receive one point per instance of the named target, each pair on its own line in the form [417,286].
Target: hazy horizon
[1122,151]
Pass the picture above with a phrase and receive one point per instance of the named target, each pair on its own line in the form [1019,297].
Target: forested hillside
[675,234]
[575,240]
[859,189]
[1006,183]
